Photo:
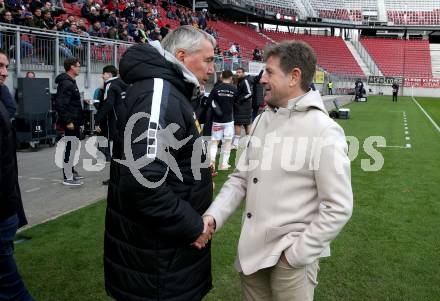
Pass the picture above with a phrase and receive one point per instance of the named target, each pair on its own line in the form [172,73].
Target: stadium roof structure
[362,14]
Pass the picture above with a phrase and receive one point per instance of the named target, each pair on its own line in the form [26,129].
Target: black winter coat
[107,117]
[149,231]
[68,100]
[10,197]
[243,104]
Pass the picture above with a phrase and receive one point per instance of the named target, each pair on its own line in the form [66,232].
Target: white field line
[427,115]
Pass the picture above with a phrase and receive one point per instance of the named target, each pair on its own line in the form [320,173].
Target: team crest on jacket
[197,124]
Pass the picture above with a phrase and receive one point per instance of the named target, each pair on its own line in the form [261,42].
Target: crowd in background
[131,21]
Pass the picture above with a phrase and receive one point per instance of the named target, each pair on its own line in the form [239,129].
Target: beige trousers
[281,283]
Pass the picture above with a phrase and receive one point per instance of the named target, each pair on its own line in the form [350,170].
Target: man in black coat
[11,207]
[156,244]
[107,121]
[243,105]
[70,115]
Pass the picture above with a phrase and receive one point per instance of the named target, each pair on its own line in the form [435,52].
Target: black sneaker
[106,182]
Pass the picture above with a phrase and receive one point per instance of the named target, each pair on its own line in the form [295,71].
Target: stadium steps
[435,59]
[358,58]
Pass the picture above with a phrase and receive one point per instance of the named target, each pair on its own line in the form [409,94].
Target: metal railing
[369,61]
[34,49]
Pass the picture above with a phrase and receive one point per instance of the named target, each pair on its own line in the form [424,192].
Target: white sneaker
[72,182]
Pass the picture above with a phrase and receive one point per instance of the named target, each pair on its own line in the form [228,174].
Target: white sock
[213,150]
[236,140]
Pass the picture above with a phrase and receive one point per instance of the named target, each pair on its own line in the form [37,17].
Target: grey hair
[186,37]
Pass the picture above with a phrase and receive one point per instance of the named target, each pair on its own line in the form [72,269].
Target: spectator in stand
[155,35]
[155,12]
[81,25]
[164,30]
[94,16]
[28,20]
[112,21]
[38,19]
[60,25]
[14,5]
[202,22]
[82,32]
[72,41]
[112,33]
[104,15]
[170,14]
[123,35]
[48,21]
[140,36]
[96,30]
[7,17]
[35,4]
[70,20]
[86,9]
[128,12]
[2,6]
[178,13]
[256,55]
[139,13]
[217,51]
[30,74]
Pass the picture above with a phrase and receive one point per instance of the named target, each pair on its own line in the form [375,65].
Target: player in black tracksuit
[222,99]
[107,119]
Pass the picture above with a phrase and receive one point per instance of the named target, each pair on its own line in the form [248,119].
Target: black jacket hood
[143,61]
[63,77]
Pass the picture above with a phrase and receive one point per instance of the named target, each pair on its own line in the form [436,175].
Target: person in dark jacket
[69,108]
[243,106]
[395,88]
[257,95]
[107,121]
[222,99]
[156,244]
[11,207]
[8,102]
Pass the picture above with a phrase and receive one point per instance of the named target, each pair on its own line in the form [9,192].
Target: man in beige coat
[295,178]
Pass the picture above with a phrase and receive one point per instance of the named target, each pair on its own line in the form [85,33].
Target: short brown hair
[295,54]
[69,62]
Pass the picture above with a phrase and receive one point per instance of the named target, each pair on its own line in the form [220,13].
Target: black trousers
[395,97]
[68,151]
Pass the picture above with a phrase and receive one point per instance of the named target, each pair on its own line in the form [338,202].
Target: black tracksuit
[69,109]
[224,96]
[243,104]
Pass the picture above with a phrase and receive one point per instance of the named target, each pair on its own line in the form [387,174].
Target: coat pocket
[276,233]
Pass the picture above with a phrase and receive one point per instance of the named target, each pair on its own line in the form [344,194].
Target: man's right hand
[208,231]
[70,126]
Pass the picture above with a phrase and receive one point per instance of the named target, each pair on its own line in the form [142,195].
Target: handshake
[208,231]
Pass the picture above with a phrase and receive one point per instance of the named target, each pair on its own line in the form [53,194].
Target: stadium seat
[333,54]
[409,58]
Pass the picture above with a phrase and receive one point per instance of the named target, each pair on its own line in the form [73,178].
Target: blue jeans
[11,285]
